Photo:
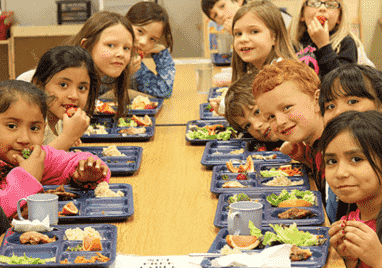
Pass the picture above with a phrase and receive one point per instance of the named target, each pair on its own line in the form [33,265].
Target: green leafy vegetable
[24,260]
[225,177]
[290,235]
[253,230]
[307,195]
[126,123]
[273,173]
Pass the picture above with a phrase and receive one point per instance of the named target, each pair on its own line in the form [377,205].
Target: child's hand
[34,165]
[75,126]
[295,151]
[77,143]
[135,64]
[156,49]
[318,33]
[215,103]
[89,170]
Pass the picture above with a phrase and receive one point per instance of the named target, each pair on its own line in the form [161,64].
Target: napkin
[136,261]
[272,257]
[36,225]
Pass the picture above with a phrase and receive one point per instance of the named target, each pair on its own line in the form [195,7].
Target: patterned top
[160,85]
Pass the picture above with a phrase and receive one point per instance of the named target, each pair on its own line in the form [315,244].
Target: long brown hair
[272,18]
[144,13]
[92,31]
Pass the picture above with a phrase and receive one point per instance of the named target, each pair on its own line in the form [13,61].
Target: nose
[280,119]
[23,136]
[142,42]
[120,52]
[342,170]
[257,124]
[72,93]
[220,15]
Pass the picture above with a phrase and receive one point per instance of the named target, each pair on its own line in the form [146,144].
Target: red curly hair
[276,73]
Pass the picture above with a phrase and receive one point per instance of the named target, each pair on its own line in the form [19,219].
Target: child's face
[112,52]
[147,36]
[332,15]
[254,123]
[223,10]
[348,172]
[21,126]
[292,113]
[71,88]
[253,41]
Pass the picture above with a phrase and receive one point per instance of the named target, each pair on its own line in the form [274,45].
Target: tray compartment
[206,114]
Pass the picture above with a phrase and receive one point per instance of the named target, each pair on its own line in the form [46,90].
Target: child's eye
[140,31]
[352,101]
[269,118]
[237,34]
[246,127]
[12,126]
[35,128]
[63,85]
[110,45]
[126,48]
[329,162]
[257,112]
[254,32]
[287,107]
[153,40]
[330,106]
[83,88]
[356,159]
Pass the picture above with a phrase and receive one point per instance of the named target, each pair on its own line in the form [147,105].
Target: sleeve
[329,60]
[20,184]
[60,166]
[159,85]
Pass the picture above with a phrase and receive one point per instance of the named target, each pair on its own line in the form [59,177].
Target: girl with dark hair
[352,154]
[153,36]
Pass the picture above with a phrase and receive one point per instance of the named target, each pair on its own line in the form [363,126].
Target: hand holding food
[318,33]
[35,162]
[337,237]
[89,170]
[215,103]
[74,126]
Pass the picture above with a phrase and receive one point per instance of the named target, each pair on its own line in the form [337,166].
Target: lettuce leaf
[291,235]
[253,230]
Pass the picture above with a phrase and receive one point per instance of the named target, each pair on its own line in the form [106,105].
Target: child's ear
[83,42]
[316,102]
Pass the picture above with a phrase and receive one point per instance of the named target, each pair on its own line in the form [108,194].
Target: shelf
[4,42]
[51,30]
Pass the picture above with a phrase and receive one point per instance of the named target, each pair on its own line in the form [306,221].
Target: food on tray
[233,184]
[35,238]
[71,110]
[273,172]
[307,195]
[92,244]
[133,131]
[96,129]
[104,108]
[286,170]
[227,250]
[242,177]
[127,122]
[82,259]
[62,194]
[296,213]
[322,20]
[295,203]
[142,121]
[140,103]
[111,151]
[283,181]
[26,152]
[79,234]
[239,151]
[24,260]
[212,132]
[264,157]
[242,241]
[299,254]
[239,197]
[248,167]
[69,209]
[103,190]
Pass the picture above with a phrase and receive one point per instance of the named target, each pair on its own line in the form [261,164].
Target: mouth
[267,133]
[117,63]
[67,106]
[287,130]
[345,186]
[246,49]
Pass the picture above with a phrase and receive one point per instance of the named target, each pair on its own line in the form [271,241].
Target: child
[67,73]
[4,223]
[323,46]
[260,38]
[241,110]
[151,24]
[352,151]
[109,38]
[23,109]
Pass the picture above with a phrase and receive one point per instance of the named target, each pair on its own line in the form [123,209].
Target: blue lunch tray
[205,114]
[219,152]
[91,208]
[270,212]
[319,253]
[11,245]
[113,134]
[202,123]
[254,180]
[213,93]
[118,165]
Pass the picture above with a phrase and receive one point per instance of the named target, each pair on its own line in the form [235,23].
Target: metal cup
[40,206]
[243,212]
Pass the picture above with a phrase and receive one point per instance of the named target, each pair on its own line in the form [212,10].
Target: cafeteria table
[174,208]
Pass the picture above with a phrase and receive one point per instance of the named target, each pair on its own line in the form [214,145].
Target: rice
[111,151]
[103,190]
[79,234]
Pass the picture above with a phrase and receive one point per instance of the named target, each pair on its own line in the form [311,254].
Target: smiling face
[223,10]
[292,113]
[348,172]
[112,52]
[253,41]
[254,123]
[70,87]
[148,35]
[332,15]
[21,126]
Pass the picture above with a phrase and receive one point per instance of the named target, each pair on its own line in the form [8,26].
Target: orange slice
[69,209]
[92,244]
[242,241]
[230,167]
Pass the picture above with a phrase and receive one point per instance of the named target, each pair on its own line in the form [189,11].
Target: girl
[67,73]
[151,24]
[323,46]
[109,39]
[23,109]
[352,153]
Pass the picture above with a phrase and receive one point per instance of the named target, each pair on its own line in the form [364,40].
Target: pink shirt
[354,215]
[59,166]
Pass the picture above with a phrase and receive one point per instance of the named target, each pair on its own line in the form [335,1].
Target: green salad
[273,172]
[24,260]
[238,198]
[126,123]
[201,133]
[307,195]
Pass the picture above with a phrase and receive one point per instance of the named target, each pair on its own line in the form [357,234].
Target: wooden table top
[174,208]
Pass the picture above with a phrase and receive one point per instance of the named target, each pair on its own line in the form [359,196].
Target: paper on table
[134,261]
[36,225]
[276,257]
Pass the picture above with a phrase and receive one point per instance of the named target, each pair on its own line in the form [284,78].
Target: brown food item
[69,209]
[296,213]
[133,131]
[248,167]
[299,254]
[233,184]
[62,194]
[142,121]
[35,238]
[242,241]
[100,257]
[64,261]
[92,244]
[295,203]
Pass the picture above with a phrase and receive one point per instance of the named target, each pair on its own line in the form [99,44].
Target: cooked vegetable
[126,123]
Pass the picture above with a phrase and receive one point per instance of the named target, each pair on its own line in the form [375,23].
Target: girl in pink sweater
[23,109]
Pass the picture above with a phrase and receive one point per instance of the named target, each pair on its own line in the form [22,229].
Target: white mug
[40,206]
[241,213]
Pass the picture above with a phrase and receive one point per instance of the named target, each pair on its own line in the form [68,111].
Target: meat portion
[296,213]
[299,254]
[35,238]
[62,194]
[133,131]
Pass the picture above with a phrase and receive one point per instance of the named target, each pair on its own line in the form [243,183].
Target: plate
[319,253]
[118,165]
[219,152]
[113,134]
[255,180]
[11,245]
[202,123]
[205,114]
[269,212]
[214,92]
[91,208]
